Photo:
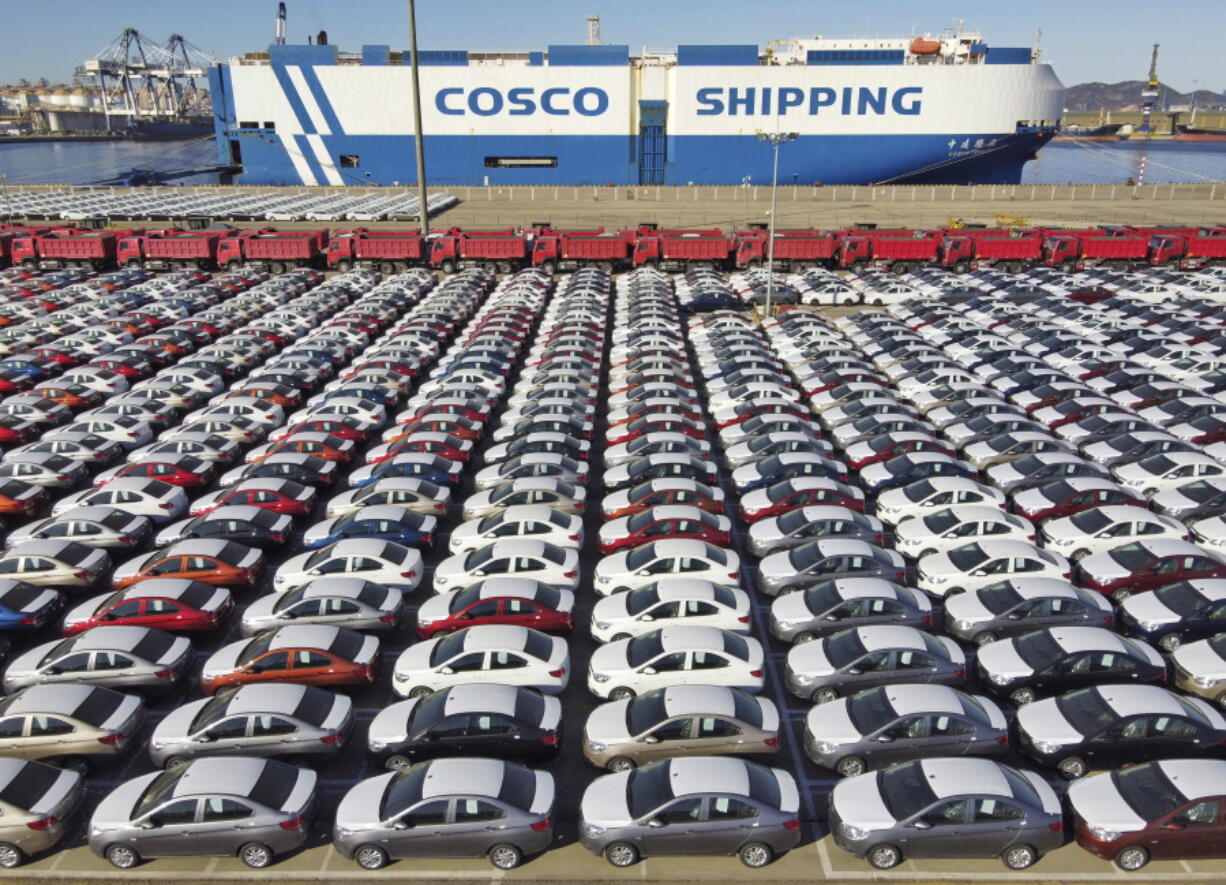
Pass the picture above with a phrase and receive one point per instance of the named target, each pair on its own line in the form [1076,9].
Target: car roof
[117,638]
[1132,700]
[687,636]
[519,512]
[50,698]
[304,636]
[452,776]
[1173,547]
[918,698]
[164,588]
[706,774]
[475,697]
[956,777]
[234,511]
[266,698]
[517,547]
[1196,778]
[713,699]
[1074,639]
[196,547]
[994,547]
[51,549]
[680,547]
[865,588]
[879,636]
[358,546]
[234,775]
[495,636]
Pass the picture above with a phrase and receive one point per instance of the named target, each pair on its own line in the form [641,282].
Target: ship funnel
[280,32]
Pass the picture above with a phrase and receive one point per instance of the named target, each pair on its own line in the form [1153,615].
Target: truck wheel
[29,264]
[277,267]
[1066,266]
[233,265]
[549,267]
[344,265]
[135,263]
[387,268]
[606,266]
[448,267]
[961,267]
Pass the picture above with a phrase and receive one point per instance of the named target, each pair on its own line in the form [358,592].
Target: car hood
[115,810]
[966,607]
[810,658]
[1102,567]
[607,723]
[1201,659]
[1148,607]
[832,722]
[176,724]
[1043,721]
[1031,499]
[391,724]
[223,661]
[415,658]
[359,809]
[611,658]
[132,567]
[27,663]
[1003,474]
[1096,800]
[604,801]
[858,802]
[1002,659]
[436,608]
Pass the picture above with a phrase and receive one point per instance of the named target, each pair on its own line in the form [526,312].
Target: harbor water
[84,163]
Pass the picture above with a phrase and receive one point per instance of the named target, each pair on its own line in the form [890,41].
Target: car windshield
[649,788]
[1058,491]
[941,521]
[918,491]
[1038,649]
[967,557]
[255,648]
[780,490]
[645,711]
[844,647]
[870,710]
[1132,557]
[158,791]
[639,557]
[806,555]
[641,599]
[1148,791]
[904,789]
[1091,521]
[794,521]
[999,598]
[644,648]
[447,649]
[1086,711]
[1182,598]
[1158,464]
[211,711]
[479,557]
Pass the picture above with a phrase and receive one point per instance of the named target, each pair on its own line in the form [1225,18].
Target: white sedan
[980,563]
[1160,473]
[510,557]
[676,656]
[160,501]
[1099,529]
[538,522]
[486,653]
[950,527]
[671,558]
[928,495]
[383,562]
[675,602]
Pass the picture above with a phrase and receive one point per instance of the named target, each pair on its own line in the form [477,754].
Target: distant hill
[1126,96]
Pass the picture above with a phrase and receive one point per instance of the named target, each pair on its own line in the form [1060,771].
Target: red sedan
[791,494]
[1073,495]
[333,426]
[831,380]
[456,426]
[14,430]
[748,410]
[172,604]
[670,521]
[457,410]
[182,470]
[277,495]
[1146,565]
[664,423]
[450,448]
[510,601]
[884,448]
[642,408]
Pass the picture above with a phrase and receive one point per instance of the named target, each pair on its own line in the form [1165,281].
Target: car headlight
[1103,834]
[344,832]
[934,579]
[785,625]
[600,677]
[1205,681]
[597,746]
[854,833]
[802,678]
[1000,678]
[1061,542]
[1046,747]
[95,831]
[1147,626]
[400,677]
[377,746]
[601,625]
[826,747]
[964,624]
[591,829]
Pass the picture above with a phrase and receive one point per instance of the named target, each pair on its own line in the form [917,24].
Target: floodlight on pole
[776,139]
[419,139]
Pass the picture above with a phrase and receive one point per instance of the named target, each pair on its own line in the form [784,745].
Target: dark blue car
[906,469]
[778,468]
[435,470]
[385,523]
[27,607]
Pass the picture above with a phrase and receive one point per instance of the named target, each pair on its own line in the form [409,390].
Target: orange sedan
[321,445]
[19,498]
[75,396]
[463,428]
[278,394]
[303,654]
[218,563]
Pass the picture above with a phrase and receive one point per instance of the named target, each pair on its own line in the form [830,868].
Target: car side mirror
[314,571]
[147,825]
[651,739]
[648,671]
[854,671]
[1013,616]
[53,671]
[205,738]
[401,825]
[1174,825]
[885,738]
[922,824]
[447,671]
[655,823]
[646,618]
[979,573]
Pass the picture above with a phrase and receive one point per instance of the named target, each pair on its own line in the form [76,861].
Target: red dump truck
[793,248]
[554,250]
[390,251]
[498,251]
[169,250]
[1077,251]
[677,250]
[1188,251]
[965,251]
[275,251]
[67,247]
[899,254]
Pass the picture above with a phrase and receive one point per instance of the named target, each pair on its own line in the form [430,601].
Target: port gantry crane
[1149,95]
[142,79]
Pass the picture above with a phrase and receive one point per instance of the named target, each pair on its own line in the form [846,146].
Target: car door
[939,831]
[914,666]
[270,734]
[225,824]
[316,667]
[421,831]
[477,825]
[519,612]
[675,828]
[729,823]
[273,666]
[1195,830]
[174,831]
[709,668]
[995,825]
[13,740]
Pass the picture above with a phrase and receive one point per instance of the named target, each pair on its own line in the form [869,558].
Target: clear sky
[1103,40]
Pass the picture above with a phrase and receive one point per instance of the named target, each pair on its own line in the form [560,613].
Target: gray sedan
[946,808]
[339,602]
[692,805]
[447,808]
[133,658]
[291,721]
[225,806]
[1019,605]
[825,560]
[894,723]
[805,524]
[831,606]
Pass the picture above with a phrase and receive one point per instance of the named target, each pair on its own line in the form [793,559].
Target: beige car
[37,804]
[685,720]
[69,723]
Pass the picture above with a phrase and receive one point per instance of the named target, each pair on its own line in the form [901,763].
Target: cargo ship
[948,109]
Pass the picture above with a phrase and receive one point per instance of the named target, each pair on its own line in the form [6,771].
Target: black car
[1177,613]
[474,719]
[259,528]
[308,471]
[1130,451]
[1056,659]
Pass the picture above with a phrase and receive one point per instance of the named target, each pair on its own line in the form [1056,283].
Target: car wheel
[419,692]
[1072,768]
[850,766]
[1078,554]
[255,855]
[397,763]
[506,857]
[1022,695]
[618,637]
[370,857]
[802,638]
[1132,858]
[621,854]
[1019,857]
[1170,642]
[621,763]
[122,856]
[954,591]
[985,637]
[621,693]
[10,855]
[174,763]
[927,552]
[884,857]
[755,855]
[825,695]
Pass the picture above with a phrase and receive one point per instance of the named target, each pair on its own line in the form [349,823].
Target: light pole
[417,133]
[776,139]
[745,186]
